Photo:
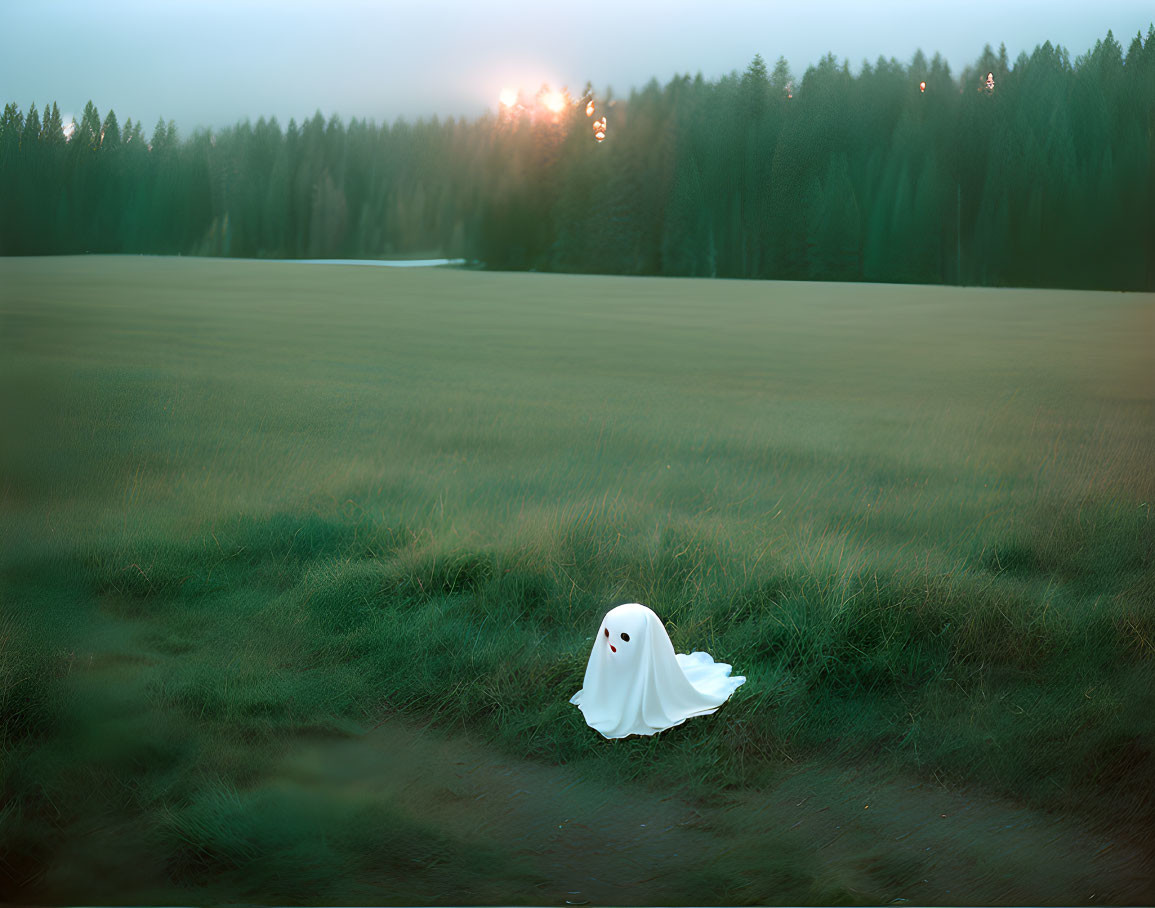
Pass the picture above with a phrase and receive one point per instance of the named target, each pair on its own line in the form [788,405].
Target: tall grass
[241,508]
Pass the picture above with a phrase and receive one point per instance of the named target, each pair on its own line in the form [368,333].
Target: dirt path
[928,845]
[817,835]
[863,835]
[589,844]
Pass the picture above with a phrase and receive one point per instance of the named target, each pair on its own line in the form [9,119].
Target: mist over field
[301,562]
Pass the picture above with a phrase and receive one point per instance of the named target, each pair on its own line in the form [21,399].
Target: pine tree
[31,132]
[110,132]
[52,129]
[159,141]
[11,125]
[687,237]
[755,89]
[781,80]
[834,226]
[87,134]
[927,217]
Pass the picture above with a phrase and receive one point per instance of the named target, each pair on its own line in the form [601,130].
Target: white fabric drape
[636,685]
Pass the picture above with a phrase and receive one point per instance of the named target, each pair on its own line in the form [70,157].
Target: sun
[547,103]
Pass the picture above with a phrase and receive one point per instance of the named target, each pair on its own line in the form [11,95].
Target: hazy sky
[213,63]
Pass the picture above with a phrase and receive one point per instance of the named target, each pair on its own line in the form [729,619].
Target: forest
[1037,172]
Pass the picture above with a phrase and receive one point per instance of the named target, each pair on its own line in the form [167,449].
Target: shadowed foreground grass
[248,503]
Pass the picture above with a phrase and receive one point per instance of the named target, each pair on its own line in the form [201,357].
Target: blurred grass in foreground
[291,497]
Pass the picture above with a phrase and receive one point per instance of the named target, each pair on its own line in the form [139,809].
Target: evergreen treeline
[1046,179]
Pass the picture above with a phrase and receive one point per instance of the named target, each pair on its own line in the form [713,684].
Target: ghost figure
[635,684]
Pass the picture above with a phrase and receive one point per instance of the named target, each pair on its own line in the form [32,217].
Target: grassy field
[246,504]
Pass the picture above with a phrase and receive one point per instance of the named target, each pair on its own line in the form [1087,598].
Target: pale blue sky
[213,63]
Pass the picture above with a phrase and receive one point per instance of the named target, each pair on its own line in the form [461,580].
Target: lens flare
[922,86]
[590,109]
[553,100]
[508,97]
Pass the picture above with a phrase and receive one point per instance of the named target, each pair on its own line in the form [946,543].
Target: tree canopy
[1041,175]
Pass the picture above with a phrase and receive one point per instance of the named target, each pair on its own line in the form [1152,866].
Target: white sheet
[639,686]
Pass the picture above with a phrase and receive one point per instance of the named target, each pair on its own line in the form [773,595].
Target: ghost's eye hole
[626,637]
[607,631]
